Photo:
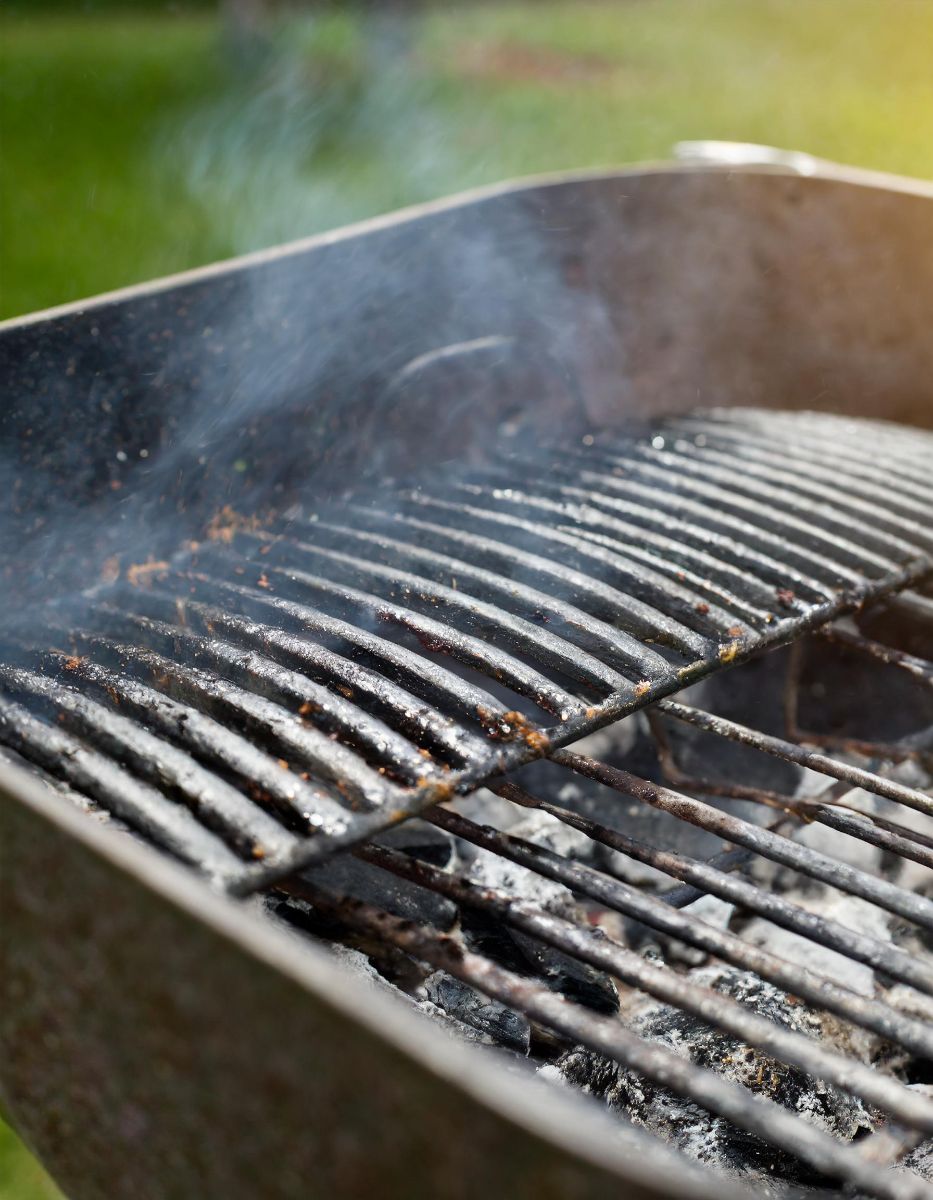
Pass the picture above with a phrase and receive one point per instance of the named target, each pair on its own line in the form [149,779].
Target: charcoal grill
[318,567]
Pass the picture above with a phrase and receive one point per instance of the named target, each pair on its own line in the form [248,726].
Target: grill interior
[712,912]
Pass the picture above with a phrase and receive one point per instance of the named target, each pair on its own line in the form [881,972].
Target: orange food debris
[72,662]
[728,652]
[225,523]
[140,573]
[642,687]
[263,581]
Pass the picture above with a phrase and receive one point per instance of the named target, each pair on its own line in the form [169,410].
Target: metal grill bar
[748,1111]
[533,639]
[622,610]
[795,488]
[258,773]
[889,788]
[804,566]
[437,636]
[427,679]
[901,455]
[601,951]
[396,706]
[706,581]
[258,675]
[220,806]
[633,654]
[855,475]
[141,806]
[779,849]
[774,908]
[612,496]
[759,484]
[796,979]
[286,731]
[637,577]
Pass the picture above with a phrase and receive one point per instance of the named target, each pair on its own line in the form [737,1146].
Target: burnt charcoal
[527,956]
[422,841]
[699,1134]
[520,953]
[346,875]
[499,1024]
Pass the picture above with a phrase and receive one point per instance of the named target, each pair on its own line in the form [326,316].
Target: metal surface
[332,641]
[299,680]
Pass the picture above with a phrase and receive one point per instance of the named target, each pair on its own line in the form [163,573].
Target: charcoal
[699,1134]
[422,841]
[499,1024]
[525,955]
[346,875]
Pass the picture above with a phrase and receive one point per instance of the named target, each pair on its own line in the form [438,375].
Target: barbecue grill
[465,703]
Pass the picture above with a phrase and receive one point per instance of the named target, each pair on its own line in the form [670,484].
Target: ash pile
[819,687]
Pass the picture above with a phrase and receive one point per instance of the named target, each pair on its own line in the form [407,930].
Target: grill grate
[410,646]
[288,691]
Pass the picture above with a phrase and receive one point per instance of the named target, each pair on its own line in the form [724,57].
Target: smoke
[436,342]
[327,118]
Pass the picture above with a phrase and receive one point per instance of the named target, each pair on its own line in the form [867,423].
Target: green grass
[135,144]
[21,1177]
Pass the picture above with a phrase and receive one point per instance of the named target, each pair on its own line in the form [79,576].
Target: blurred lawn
[135,144]
[132,145]
[21,1177]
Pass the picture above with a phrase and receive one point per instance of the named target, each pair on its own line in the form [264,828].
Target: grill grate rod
[797,489]
[804,439]
[918,668]
[763,1118]
[605,640]
[442,688]
[667,555]
[687,628]
[231,753]
[858,946]
[796,979]
[829,808]
[790,752]
[602,952]
[748,492]
[436,635]
[220,806]
[98,776]
[770,845]
[376,694]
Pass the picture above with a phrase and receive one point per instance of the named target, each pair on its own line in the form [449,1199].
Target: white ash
[493,871]
[700,1135]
